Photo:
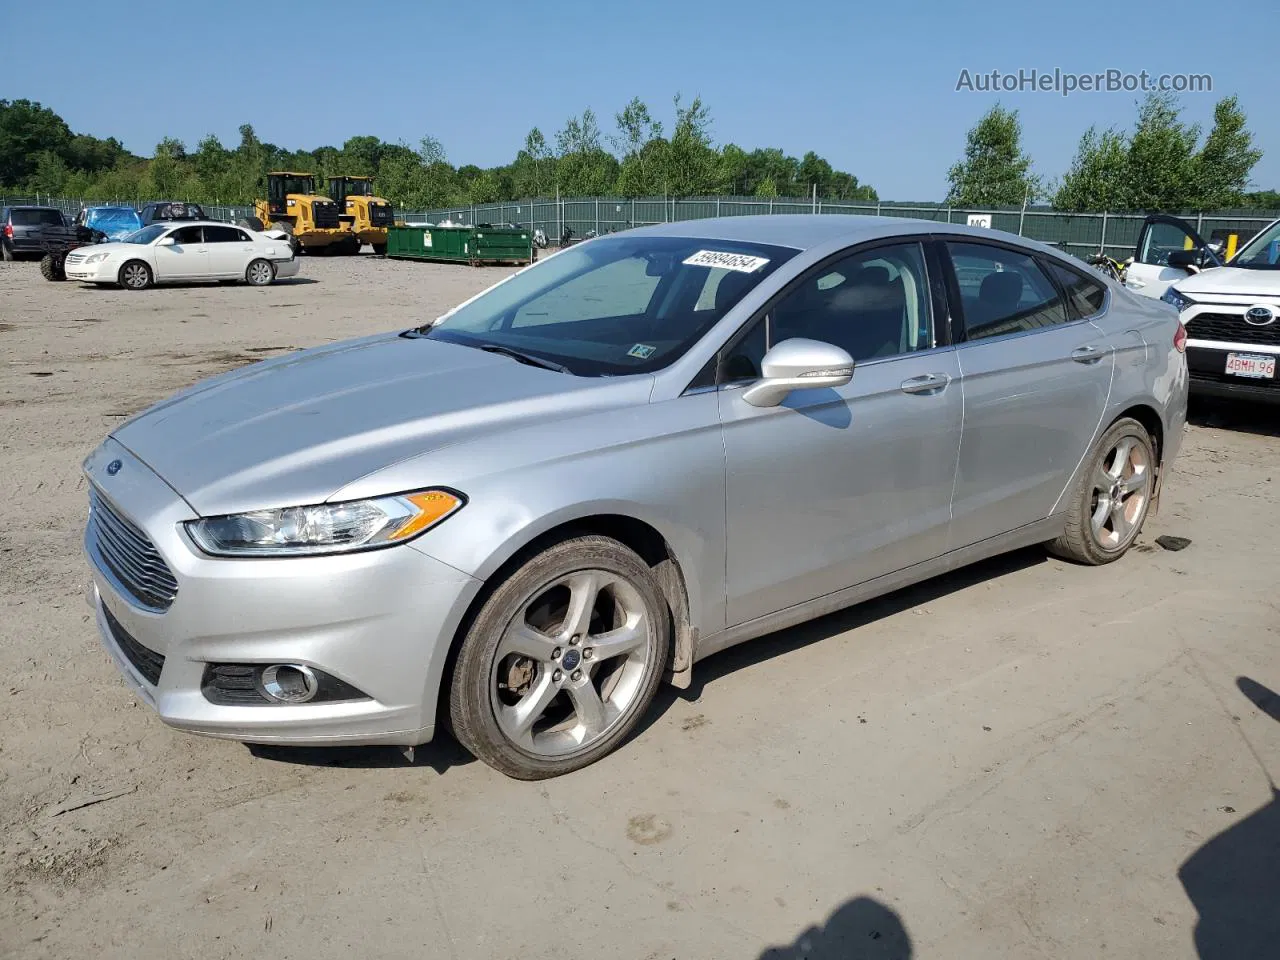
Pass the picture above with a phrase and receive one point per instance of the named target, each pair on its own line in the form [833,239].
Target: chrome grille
[1232,328]
[130,555]
[74,258]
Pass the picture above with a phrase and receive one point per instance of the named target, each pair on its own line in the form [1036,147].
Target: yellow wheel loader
[292,205]
[365,215]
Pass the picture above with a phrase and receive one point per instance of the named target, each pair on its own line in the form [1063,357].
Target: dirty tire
[251,223]
[6,254]
[260,273]
[474,696]
[49,270]
[135,275]
[1082,541]
[380,249]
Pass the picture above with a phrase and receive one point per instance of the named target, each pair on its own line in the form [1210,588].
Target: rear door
[187,258]
[230,250]
[1035,382]
[1151,274]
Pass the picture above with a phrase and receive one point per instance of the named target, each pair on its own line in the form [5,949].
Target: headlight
[96,257]
[1180,301]
[324,527]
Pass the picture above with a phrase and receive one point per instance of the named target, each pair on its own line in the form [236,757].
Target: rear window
[37,218]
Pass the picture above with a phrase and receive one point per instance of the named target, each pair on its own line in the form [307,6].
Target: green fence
[1080,234]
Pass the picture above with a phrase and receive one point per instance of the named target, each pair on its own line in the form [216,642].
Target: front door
[836,487]
[1163,237]
[1035,383]
[187,258]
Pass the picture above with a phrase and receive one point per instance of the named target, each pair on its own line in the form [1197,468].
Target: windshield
[359,188]
[146,234]
[302,185]
[614,306]
[1262,252]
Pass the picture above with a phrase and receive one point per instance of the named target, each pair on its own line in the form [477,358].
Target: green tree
[1222,166]
[690,161]
[637,132]
[1160,169]
[994,171]
[1098,178]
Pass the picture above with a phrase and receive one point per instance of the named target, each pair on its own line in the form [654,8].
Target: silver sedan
[519,519]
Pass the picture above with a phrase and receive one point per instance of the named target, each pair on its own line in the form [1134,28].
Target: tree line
[1162,164]
[641,157]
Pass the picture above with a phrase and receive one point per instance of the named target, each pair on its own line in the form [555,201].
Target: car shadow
[1234,879]
[441,754]
[201,285]
[860,929]
[1239,415]
[782,642]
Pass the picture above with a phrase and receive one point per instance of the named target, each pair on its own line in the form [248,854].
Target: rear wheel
[1112,497]
[250,223]
[49,268]
[562,660]
[6,253]
[260,273]
[380,249]
[135,275]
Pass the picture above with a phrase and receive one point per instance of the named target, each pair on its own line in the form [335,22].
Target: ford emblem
[113,468]
[1259,316]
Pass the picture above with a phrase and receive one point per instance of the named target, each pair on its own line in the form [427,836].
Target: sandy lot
[1015,761]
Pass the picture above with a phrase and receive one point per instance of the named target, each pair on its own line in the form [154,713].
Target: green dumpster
[473,245]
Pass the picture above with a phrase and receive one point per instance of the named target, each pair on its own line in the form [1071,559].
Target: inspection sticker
[641,351]
[743,263]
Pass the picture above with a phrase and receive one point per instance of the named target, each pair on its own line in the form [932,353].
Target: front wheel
[135,275]
[1112,497]
[49,268]
[562,660]
[260,273]
[380,249]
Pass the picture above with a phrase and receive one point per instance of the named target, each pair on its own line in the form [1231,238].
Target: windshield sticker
[741,262]
[641,351]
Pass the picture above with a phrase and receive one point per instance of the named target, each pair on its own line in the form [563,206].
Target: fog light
[289,683]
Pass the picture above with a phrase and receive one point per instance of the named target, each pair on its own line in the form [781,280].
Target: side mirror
[1216,248]
[166,242]
[798,364]
[1184,259]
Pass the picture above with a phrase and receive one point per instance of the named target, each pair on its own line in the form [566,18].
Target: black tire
[250,223]
[471,711]
[379,249]
[49,268]
[6,253]
[131,278]
[1080,541]
[260,273]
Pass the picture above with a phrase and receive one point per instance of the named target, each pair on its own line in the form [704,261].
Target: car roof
[804,231]
[31,206]
[179,224]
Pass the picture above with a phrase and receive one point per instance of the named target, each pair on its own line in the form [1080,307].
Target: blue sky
[871,88]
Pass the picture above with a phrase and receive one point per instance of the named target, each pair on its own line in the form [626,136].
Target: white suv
[1231,310]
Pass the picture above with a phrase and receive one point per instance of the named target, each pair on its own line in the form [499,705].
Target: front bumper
[382,621]
[1207,365]
[102,272]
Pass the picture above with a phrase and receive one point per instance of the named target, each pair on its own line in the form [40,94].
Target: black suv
[25,230]
[165,210]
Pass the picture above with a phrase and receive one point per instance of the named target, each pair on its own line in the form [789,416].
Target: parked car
[184,252]
[616,462]
[24,230]
[115,223]
[163,210]
[1231,308]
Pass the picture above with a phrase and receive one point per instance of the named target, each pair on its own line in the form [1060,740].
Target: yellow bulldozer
[311,220]
[364,214]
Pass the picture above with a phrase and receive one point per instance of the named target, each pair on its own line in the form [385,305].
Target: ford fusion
[518,520]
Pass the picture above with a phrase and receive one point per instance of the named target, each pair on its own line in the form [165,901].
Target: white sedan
[184,252]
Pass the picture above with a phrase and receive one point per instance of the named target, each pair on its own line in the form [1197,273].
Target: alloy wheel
[1121,493]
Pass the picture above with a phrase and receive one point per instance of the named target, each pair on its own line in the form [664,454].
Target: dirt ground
[1025,759]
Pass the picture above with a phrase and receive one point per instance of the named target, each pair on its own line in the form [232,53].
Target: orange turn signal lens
[432,506]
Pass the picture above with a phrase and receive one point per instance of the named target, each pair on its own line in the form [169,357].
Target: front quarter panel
[660,463]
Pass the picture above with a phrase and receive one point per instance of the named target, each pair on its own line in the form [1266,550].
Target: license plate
[1258,366]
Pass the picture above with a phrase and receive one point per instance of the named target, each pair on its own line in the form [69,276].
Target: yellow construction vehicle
[292,205]
[361,212]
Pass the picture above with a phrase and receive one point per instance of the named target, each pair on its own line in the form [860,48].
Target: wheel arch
[638,535]
[1147,415]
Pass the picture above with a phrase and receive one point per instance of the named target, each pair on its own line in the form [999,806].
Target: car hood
[1235,281]
[295,429]
[112,247]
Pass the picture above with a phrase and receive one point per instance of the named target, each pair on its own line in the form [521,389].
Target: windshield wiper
[528,358]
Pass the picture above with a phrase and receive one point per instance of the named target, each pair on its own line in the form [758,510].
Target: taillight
[8,230]
[1180,338]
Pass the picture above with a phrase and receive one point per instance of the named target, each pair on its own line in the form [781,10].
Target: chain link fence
[1080,234]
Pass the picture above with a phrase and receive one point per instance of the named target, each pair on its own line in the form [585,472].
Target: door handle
[1087,354]
[928,383]
[1135,284]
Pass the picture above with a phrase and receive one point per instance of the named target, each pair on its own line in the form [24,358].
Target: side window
[1085,297]
[621,289]
[186,235]
[243,237]
[742,361]
[1003,291]
[221,235]
[1161,239]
